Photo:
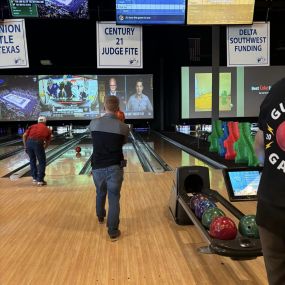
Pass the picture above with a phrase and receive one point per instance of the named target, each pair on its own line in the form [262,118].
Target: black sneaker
[115,236]
[100,220]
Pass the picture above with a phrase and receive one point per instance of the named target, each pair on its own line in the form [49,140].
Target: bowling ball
[280,136]
[202,206]
[78,149]
[210,214]
[195,199]
[120,115]
[247,226]
[223,228]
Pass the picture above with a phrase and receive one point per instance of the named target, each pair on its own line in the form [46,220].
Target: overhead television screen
[73,97]
[218,12]
[19,98]
[196,88]
[242,90]
[69,96]
[49,8]
[134,91]
[139,12]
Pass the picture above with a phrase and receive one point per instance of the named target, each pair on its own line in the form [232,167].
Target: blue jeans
[109,180]
[36,151]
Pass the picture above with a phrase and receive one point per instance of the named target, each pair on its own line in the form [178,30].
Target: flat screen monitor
[242,183]
[73,97]
[143,12]
[49,8]
[219,12]
[241,90]
[68,97]
[19,98]
[134,91]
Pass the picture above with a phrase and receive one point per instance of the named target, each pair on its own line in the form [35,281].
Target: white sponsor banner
[119,46]
[13,44]
[248,45]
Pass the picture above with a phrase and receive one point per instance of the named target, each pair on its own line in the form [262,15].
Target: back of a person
[108,137]
[272,122]
[39,131]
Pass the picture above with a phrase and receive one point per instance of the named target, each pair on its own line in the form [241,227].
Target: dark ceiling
[71,44]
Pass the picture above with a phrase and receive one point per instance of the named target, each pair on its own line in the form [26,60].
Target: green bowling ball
[248,227]
[210,214]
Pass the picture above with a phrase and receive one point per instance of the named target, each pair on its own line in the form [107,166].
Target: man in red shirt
[36,139]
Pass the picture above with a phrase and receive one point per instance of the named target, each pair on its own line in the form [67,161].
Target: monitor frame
[232,196]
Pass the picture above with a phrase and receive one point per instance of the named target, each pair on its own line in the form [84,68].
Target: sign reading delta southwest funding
[119,46]
[248,45]
[13,46]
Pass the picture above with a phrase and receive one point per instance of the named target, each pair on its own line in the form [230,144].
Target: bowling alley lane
[71,162]
[175,157]
[6,149]
[10,163]
[133,162]
[172,155]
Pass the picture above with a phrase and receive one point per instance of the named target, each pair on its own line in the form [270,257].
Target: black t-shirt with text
[271,192]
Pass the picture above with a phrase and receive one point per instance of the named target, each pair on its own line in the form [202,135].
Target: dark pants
[109,180]
[36,151]
[273,247]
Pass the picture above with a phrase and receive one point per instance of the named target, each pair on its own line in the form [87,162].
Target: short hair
[42,119]
[139,80]
[113,79]
[111,103]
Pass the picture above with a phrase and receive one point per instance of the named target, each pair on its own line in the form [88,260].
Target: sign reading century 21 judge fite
[119,46]
[248,45]
[13,45]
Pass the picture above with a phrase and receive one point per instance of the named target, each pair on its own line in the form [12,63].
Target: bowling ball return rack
[193,180]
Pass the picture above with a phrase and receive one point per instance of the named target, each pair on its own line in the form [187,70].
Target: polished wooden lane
[50,235]
[70,162]
[11,163]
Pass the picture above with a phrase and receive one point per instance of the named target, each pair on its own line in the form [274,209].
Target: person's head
[42,119]
[50,82]
[113,84]
[111,104]
[139,86]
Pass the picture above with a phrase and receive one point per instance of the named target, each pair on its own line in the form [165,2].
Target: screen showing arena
[73,97]
[49,8]
[218,12]
[140,12]
[69,96]
[18,98]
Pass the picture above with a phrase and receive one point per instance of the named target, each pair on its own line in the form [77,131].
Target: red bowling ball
[280,136]
[78,149]
[223,228]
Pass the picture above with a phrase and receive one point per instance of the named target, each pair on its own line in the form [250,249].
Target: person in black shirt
[270,149]
[109,135]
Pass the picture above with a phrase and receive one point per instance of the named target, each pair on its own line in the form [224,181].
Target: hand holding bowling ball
[223,228]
